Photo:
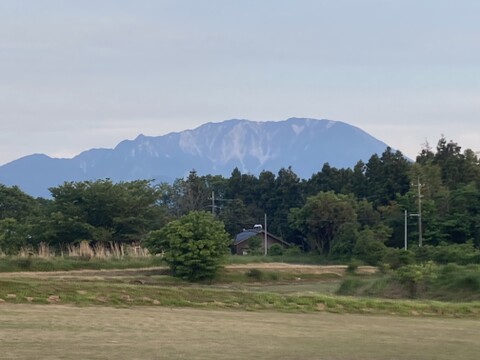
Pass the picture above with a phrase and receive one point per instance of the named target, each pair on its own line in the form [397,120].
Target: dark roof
[247,234]
[244,235]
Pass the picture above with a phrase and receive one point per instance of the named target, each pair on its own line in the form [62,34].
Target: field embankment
[256,287]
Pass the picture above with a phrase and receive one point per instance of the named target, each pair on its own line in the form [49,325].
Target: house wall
[240,248]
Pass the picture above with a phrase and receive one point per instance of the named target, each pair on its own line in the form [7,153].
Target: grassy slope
[15,264]
[277,286]
[444,283]
[235,290]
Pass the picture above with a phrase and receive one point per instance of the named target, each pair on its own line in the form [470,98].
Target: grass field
[65,332]
[252,311]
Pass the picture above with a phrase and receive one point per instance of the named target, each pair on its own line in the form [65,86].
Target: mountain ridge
[305,144]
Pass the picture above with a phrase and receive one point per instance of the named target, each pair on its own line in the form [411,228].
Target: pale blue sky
[81,74]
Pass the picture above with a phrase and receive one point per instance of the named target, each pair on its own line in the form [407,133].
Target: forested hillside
[338,213]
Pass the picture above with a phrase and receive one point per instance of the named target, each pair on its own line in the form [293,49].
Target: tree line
[336,212]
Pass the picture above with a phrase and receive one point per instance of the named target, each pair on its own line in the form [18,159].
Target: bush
[292,251]
[255,246]
[275,250]
[384,268]
[353,266]
[255,274]
[424,253]
[195,246]
[396,258]
[368,249]
[260,275]
[461,254]
[414,275]
[459,278]
[349,286]
[470,282]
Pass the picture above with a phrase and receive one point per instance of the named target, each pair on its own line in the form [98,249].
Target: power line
[213,206]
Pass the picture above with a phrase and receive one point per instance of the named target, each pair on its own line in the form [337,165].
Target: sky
[81,74]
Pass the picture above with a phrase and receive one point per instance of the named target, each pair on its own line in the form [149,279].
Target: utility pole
[266,239]
[420,239]
[213,203]
[406,229]
[419,214]
[213,206]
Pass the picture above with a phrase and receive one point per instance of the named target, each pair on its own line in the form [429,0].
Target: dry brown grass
[63,332]
[85,250]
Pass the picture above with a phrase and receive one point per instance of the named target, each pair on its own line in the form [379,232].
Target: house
[242,240]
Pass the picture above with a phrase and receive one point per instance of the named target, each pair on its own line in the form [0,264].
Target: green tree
[242,186]
[330,179]
[287,195]
[235,216]
[367,216]
[13,236]
[358,185]
[194,193]
[387,176]
[102,211]
[321,217]
[194,246]
[265,193]
[15,204]
[19,213]
[344,241]
[462,224]
[456,168]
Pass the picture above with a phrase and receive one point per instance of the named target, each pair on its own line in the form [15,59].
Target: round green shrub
[275,250]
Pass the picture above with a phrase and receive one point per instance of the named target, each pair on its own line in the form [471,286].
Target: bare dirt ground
[64,332]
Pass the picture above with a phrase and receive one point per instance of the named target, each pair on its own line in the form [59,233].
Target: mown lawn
[101,332]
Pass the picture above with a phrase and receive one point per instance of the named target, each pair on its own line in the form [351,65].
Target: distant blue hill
[213,148]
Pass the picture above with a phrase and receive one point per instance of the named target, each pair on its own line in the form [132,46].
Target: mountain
[213,148]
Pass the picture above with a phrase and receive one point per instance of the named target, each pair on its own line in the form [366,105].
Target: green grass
[59,263]
[248,288]
[15,264]
[307,259]
[66,263]
[166,291]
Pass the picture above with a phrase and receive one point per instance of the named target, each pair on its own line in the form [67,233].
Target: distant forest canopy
[336,212]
